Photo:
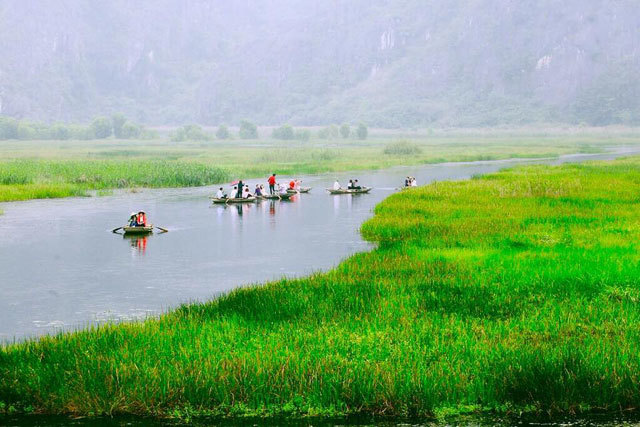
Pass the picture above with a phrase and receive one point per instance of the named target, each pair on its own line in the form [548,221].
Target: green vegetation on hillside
[392,64]
[515,291]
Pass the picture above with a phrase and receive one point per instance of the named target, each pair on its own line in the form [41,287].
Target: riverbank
[54,169]
[514,291]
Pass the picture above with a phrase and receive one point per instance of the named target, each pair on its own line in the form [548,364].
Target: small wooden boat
[138,230]
[300,190]
[277,196]
[362,190]
[226,201]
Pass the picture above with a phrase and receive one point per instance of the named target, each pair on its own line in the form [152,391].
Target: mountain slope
[390,63]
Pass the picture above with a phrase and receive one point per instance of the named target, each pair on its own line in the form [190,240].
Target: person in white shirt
[282,189]
[413,182]
[336,185]
[220,194]
[234,193]
[246,193]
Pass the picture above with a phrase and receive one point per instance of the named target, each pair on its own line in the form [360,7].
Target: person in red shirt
[292,185]
[272,183]
[142,219]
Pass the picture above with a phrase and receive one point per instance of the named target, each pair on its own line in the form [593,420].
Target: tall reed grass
[30,179]
[517,291]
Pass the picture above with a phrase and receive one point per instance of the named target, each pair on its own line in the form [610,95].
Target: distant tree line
[344,131]
[119,127]
[101,127]
[286,132]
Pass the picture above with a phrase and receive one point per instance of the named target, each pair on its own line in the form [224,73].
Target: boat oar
[116,229]
[162,229]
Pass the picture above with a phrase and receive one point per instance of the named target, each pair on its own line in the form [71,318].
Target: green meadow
[49,169]
[516,291]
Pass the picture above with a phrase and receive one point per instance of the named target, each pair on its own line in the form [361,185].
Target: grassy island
[515,291]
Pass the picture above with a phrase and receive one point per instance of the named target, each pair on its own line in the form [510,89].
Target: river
[62,268]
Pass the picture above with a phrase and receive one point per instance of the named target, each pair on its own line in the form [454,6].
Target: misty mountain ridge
[387,63]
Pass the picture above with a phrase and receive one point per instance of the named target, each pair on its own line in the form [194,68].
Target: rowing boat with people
[362,190]
[138,230]
[285,196]
[300,190]
[224,201]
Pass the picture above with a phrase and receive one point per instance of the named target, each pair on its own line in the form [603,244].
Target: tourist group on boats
[242,193]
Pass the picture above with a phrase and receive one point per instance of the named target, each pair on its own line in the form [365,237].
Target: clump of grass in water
[517,290]
[402,148]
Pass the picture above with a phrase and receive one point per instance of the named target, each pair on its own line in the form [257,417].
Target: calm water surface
[61,267]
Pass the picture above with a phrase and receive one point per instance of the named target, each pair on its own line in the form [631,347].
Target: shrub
[191,133]
[303,135]
[362,131]
[402,148]
[222,132]
[283,132]
[8,128]
[248,130]
[102,127]
[117,122]
[26,131]
[130,130]
[81,132]
[60,131]
[345,131]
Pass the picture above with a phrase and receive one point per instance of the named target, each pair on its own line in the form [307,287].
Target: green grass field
[517,291]
[47,169]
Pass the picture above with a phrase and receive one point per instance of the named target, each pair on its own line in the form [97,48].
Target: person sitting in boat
[220,194]
[258,191]
[246,194]
[350,186]
[356,185]
[292,185]
[282,189]
[234,193]
[414,183]
[133,219]
[336,185]
[407,182]
[141,220]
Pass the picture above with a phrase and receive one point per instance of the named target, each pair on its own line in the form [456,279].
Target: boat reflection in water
[138,243]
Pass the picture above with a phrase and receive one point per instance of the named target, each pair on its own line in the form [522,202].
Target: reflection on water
[60,265]
[138,243]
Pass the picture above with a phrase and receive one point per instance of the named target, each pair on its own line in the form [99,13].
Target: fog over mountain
[388,63]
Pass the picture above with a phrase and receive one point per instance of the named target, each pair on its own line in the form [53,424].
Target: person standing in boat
[272,183]
[240,189]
